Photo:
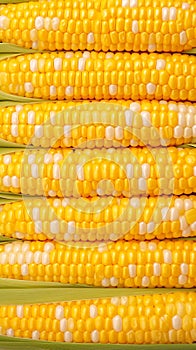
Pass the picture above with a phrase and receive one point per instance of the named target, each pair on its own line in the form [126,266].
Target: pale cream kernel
[56,171]
[184,268]
[142,185]
[150,88]
[145,281]
[93,311]
[145,170]
[115,301]
[20,311]
[33,65]
[146,118]
[7,159]
[14,118]
[14,130]
[186,6]
[95,336]
[12,258]
[20,258]
[194,171]
[118,132]
[172,13]
[81,64]
[24,270]
[54,227]
[102,247]
[113,281]
[68,337]
[71,227]
[165,213]
[33,35]
[161,63]
[31,117]
[45,258]
[135,26]
[28,86]
[3,258]
[48,247]
[142,228]
[38,226]
[39,22]
[183,38]
[6,181]
[48,158]
[53,90]
[47,23]
[156,269]
[80,172]
[174,214]
[69,90]
[132,270]
[117,323]
[165,14]
[36,213]
[128,117]
[53,117]
[67,130]
[35,171]
[187,132]
[39,131]
[63,325]
[129,171]
[150,226]
[183,223]
[37,257]
[25,247]
[35,335]
[135,107]
[52,193]
[109,132]
[55,23]
[176,322]
[135,202]
[105,282]
[58,63]
[59,312]
[113,89]
[178,131]
[133,3]
[125,3]
[167,256]
[4,22]
[188,203]
[186,232]
[29,257]
[10,332]
[90,38]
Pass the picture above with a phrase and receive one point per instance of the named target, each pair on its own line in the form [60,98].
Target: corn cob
[118,264]
[114,25]
[138,319]
[59,76]
[99,219]
[99,124]
[116,172]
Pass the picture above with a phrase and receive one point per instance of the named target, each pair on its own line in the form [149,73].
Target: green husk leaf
[13,103]
[59,292]
[12,48]
[187,145]
[7,343]
[18,99]
[14,1]
[191,52]
[8,144]
[10,150]
[11,196]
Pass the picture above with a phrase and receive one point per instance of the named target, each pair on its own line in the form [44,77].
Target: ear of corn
[118,264]
[99,124]
[114,25]
[127,172]
[99,219]
[127,319]
[81,76]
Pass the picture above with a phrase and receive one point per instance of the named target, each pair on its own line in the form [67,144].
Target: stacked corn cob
[109,198]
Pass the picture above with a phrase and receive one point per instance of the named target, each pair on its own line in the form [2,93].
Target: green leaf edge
[6,48]
[18,99]
[59,292]
[8,343]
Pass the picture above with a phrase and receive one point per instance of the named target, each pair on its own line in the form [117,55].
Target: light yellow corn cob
[127,172]
[59,76]
[114,25]
[99,219]
[99,124]
[164,263]
[139,319]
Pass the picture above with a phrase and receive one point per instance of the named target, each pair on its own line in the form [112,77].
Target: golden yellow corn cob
[127,172]
[99,219]
[114,25]
[59,76]
[138,319]
[117,264]
[99,124]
